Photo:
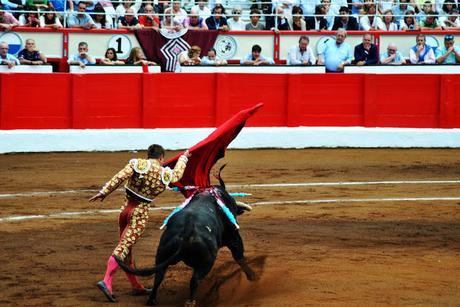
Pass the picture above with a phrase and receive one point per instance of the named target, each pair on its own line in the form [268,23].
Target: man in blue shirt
[255,58]
[392,56]
[337,53]
[5,57]
[81,19]
[449,53]
[82,58]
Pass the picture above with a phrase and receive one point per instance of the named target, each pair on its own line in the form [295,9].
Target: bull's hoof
[251,275]
[103,287]
[141,291]
[190,303]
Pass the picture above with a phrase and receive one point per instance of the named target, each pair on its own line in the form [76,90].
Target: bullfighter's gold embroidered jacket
[146,178]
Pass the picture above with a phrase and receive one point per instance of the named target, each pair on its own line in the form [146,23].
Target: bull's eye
[208,228]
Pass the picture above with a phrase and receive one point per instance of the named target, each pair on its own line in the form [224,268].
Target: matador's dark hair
[155,151]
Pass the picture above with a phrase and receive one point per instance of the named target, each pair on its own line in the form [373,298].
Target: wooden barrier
[168,100]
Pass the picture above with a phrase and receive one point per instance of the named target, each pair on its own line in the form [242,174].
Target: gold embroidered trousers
[132,222]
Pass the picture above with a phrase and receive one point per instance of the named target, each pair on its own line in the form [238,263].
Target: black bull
[194,235]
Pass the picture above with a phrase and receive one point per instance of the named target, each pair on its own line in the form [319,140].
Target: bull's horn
[243,206]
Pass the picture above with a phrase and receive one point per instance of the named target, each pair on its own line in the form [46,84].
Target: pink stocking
[112,267]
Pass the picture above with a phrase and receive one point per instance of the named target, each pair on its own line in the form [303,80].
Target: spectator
[50,20]
[357,7]
[203,11]
[254,24]
[6,58]
[82,58]
[409,22]
[15,5]
[217,22]
[430,22]
[399,10]
[281,22]
[448,6]
[317,22]
[60,5]
[421,53]
[451,22]
[366,53]
[449,53]
[336,5]
[255,58]
[30,55]
[301,54]
[179,13]
[211,59]
[136,57]
[426,8]
[30,19]
[7,20]
[81,19]
[384,5]
[345,21]
[370,21]
[124,5]
[309,7]
[110,58]
[388,22]
[194,21]
[336,54]
[439,5]
[392,56]
[101,19]
[329,15]
[41,4]
[188,58]
[235,23]
[168,22]
[129,21]
[296,22]
[149,20]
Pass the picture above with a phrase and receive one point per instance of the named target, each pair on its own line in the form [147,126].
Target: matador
[146,178]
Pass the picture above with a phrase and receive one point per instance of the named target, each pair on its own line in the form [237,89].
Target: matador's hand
[187,154]
[99,196]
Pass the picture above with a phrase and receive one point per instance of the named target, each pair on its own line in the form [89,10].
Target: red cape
[206,153]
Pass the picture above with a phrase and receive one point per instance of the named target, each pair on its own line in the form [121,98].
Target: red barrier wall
[167,100]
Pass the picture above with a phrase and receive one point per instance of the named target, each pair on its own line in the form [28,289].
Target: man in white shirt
[203,11]
[301,54]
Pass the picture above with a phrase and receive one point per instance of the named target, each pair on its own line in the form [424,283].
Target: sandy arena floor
[381,244]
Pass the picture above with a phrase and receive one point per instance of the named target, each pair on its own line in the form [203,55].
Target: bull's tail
[149,271]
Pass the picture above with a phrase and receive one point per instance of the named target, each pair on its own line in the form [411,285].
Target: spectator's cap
[448,37]
[343,9]
[410,11]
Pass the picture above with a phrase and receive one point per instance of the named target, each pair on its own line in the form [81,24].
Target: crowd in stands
[367,15]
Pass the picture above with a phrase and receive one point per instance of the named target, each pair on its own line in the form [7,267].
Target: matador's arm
[114,183]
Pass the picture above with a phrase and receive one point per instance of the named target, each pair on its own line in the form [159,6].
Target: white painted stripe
[305,184]
[52,140]
[261,203]
[348,200]
[258,185]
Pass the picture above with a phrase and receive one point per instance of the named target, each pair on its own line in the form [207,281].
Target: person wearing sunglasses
[449,53]
[235,23]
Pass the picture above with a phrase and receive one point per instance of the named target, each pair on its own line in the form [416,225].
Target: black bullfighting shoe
[103,287]
[141,292]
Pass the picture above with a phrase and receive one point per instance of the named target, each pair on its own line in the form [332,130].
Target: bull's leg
[198,275]
[159,275]
[237,248]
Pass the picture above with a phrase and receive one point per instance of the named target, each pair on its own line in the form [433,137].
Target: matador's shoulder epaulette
[141,166]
